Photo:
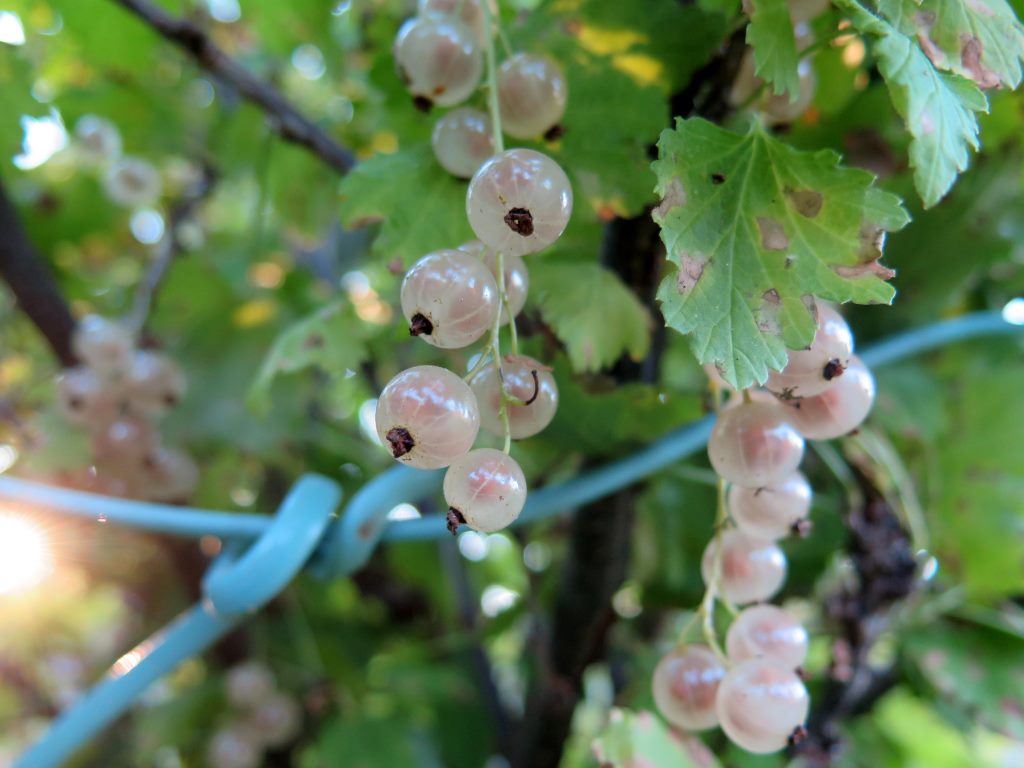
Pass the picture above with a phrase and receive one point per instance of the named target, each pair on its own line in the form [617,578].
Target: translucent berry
[775,109]
[519,202]
[249,684]
[277,720]
[97,140]
[532,92]
[771,512]
[439,59]
[470,13]
[485,489]
[234,747]
[752,569]
[527,381]
[517,277]
[463,141]
[685,684]
[839,409]
[427,417]
[450,299]
[127,440]
[813,370]
[170,475]
[86,399]
[132,182]
[153,383]
[770,632]
[755,444]
[104,345]
[760,704]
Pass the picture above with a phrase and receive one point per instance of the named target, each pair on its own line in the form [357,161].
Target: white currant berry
[485,489]
[469,12]
[774,108]
[755,444]
[153,383]
[813,370]
[277,720]
[439,59]
[234,747]
[752,569]
[770,632]
[685,685]
[527,381]
[450,299]
[132,182]
[97,140]
[170,475]
[102,344]
[249,684]
[839,409]
[761,704]
[519,202]
[517,277]
[125,441]
[86,399]
[427,417]
[771,512]
[463,141]
[532,92]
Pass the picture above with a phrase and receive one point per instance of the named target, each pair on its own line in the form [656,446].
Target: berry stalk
[492,82]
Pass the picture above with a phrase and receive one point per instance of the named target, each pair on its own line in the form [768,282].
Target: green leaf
[329,340]
[770,33]
[754,227]
[938,109]
[976,669]
[981,40]
[634,739]
[593,313]
[421,206]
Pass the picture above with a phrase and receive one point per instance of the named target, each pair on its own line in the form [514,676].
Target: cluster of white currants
[440,57]
[756,694]
[264,718]
[518,202]
[118,393]
[128,181]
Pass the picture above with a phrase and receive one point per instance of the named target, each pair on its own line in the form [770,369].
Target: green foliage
[770,34]
[938,109]
[592,312]
[640,738]
[754,227]
[981,40]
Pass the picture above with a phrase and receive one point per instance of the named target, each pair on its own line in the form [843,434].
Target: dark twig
[882,556]
[32,285]
[169,247]
[286,119]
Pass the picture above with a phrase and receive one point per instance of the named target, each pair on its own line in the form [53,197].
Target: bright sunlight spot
[44,137]
[25,558]
[11,31]
[1013,312]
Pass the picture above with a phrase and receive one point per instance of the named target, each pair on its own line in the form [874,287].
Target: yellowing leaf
[755,229]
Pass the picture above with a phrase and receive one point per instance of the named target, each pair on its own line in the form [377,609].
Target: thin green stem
[492,78]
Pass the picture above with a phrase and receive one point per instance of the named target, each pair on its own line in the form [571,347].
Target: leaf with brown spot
[748,253]
[981,40]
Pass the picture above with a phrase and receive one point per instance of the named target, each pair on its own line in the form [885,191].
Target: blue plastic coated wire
[302,533]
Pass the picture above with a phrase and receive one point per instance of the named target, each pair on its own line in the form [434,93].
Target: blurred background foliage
[384,663]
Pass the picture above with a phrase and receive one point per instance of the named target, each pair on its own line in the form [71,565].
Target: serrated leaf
[770,33]
[421,206]
[981,40]
[634,739]
[754,228]
[593,313]
[937,108]
[327,339]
